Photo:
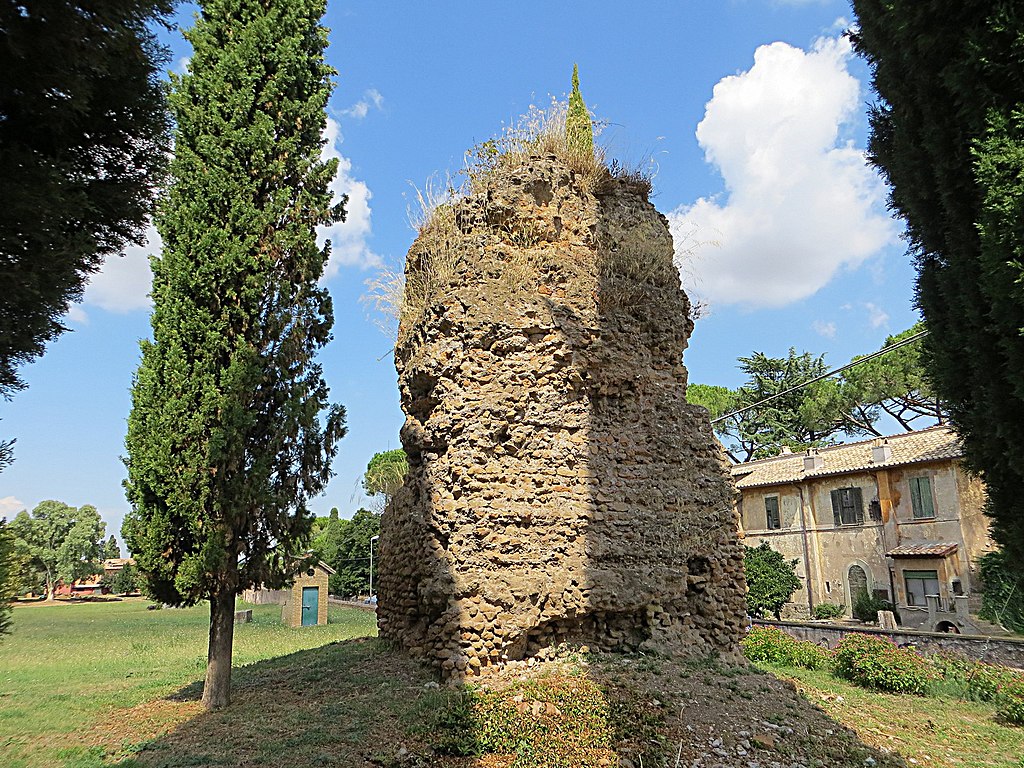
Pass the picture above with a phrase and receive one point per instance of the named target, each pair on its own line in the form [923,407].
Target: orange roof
[933,444]
[924,549]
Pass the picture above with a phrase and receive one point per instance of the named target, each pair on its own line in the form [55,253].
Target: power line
[858,361]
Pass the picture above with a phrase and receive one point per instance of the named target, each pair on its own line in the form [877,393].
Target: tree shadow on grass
[359,703]
[344,704]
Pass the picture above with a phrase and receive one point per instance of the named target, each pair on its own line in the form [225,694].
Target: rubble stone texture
[560,488]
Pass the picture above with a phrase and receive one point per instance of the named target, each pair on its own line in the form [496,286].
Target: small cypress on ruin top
[579,133]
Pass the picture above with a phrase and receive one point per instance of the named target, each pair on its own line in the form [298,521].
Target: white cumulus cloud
[123,284]
[348,238]
[371,99]
[124,281]
[877,316]
[800,202]
[828,330]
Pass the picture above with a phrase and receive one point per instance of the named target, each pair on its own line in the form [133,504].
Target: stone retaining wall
[998,650]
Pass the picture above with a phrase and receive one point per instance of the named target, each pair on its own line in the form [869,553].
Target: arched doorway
[857,581]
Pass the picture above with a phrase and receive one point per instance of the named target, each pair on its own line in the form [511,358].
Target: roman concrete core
[560,487]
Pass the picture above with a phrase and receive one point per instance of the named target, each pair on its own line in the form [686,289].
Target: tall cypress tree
[228,435]
[948,133]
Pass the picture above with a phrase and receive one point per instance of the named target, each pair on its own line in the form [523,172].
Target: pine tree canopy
[948,134]
[227,438]
[84,137]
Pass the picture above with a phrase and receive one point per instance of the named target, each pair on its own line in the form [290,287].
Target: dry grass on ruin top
[401,295]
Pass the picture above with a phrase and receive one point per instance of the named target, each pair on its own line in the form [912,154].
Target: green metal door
[310,605]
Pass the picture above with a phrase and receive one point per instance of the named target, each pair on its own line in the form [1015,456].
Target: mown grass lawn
[940,732]
[69,669]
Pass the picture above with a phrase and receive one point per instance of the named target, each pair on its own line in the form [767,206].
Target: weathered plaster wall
[560,488]
[958,500]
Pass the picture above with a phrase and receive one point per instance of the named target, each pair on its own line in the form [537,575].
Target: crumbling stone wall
[560,488]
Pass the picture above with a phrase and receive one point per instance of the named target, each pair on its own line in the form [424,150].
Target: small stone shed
[307,599]
[305,603]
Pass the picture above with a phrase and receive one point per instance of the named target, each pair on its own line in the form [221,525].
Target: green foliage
[553,721]
[386,472]
[718,400]
[9,580]
[966,678]
[809,417]
[1002,602]
[225,439]
[771,645]
[1011,703]
[59,541]
[83,127]
[125,581]
[866,607]
[948,134]
[897,382]
[876,662]
[817,414]
[345,546]
[579,132]
[111,550]
[828,611]
[771,580]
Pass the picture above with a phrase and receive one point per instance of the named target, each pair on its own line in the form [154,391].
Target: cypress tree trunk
[217,688]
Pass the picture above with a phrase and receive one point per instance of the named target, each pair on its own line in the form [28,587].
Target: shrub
[1011,702]
[771,580]
[876,662]
[828,611]
[967,678]
[773,646]
[866,607]
[1002,601]
[558,721]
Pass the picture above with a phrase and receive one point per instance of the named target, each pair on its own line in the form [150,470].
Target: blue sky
[750,114]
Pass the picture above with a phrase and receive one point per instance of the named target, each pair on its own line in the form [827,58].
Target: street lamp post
[372,539]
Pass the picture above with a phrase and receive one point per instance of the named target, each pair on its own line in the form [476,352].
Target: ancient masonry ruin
[560,488]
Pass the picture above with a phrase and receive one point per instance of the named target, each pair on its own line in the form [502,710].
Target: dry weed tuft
[540,132]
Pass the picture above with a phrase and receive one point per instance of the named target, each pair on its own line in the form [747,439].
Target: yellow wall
[829,551]
[291,613]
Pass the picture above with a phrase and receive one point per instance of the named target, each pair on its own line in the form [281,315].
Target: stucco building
[897,516]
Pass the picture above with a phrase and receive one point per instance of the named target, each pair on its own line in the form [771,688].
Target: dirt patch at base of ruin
[363,704]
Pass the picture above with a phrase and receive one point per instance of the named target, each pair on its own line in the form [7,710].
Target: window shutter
[927,507]
[837,506]
[915,496]
[857,499]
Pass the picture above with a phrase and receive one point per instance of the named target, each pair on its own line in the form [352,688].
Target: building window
[848,506]
[921,497]
[920,584]
[771,512]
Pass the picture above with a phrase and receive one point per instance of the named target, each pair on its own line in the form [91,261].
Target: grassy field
[87,685]
[928,731]
[69,669]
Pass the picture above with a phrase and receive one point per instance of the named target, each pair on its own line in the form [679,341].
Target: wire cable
[858,361]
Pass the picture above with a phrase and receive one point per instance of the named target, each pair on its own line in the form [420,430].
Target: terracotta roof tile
[924,549]
[934,444]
